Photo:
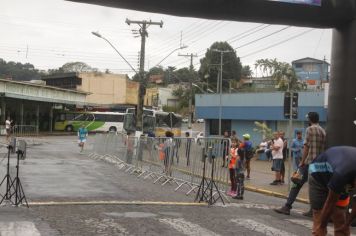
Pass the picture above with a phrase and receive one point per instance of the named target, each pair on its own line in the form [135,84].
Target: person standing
[82,136]
[297,147]
[187,147]
[331,180]
[314,145]
[246,152]
[232,168]
[8,123]
[225,147]
[277,157]
[285,154]
[234,137]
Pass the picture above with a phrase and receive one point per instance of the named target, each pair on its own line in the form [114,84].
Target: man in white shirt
[8,128]
[277,156]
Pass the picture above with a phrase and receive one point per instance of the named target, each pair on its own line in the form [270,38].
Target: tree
[181,93]
[282,72]
[18,71]
[73,67]
[263,129]
[77,67]
[246,72]
[210,65]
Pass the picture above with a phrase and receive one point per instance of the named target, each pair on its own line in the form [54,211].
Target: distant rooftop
[310,60]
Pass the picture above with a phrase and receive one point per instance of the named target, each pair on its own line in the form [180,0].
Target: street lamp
[100,36]
[141,86]
[201,90]
[180,48]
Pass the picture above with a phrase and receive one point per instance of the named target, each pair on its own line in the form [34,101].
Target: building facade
[160,97]
[104,89]
[312,71]
[32,104]
[240,111]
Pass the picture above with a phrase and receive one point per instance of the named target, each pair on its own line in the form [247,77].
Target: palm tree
[283,73]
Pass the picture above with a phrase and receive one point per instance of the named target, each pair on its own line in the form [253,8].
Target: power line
[277,44]
[317,47]
[266,36]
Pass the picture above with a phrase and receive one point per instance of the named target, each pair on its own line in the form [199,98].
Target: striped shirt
[315,140]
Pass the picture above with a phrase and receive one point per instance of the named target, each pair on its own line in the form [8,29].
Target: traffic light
[287,97]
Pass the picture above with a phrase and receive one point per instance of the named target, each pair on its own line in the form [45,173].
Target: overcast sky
[49,33]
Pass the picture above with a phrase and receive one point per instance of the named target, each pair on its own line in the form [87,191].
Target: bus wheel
[69,128]
[112,129]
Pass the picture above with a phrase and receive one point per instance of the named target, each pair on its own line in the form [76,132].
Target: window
[69,116]
[109,117]
[214,126]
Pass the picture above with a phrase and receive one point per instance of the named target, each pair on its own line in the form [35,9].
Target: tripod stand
[7,178]
[201,194]
[207,188]
[19,193]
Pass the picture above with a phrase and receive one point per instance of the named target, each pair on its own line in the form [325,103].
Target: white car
[185,120]
[200,120]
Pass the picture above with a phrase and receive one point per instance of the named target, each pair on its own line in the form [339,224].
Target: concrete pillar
[51,119]
[341,129]
[37,117]
[3,111]
[21,113]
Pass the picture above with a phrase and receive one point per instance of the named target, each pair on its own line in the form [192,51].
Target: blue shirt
[335,168]
[82,133]
[297,147]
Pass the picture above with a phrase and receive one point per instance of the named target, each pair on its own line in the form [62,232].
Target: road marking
[52,203]
[254,206]
[309,224]
[260,228]
[187,228]
[16,228]
[102,226]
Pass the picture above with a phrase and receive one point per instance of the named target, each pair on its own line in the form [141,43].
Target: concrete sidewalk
[262,176]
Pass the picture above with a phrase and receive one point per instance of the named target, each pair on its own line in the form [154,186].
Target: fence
[179,161]
[29,133]
[24,130]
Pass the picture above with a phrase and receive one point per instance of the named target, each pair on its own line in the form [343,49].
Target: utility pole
[190,86]
[142,86]
[220,84]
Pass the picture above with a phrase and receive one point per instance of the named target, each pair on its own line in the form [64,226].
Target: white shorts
[82,140]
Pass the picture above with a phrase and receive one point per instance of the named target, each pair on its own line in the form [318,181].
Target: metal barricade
[24,130]
[167,160]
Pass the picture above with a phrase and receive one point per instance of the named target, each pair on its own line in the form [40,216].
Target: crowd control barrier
[177,161]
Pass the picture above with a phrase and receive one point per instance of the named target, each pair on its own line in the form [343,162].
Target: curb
[52,203]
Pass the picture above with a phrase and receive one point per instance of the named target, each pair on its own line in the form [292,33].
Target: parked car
[185,120]
[200,120]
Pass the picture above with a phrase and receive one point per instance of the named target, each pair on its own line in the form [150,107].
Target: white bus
[94,121]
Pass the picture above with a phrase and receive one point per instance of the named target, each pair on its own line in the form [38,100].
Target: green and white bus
[93,121]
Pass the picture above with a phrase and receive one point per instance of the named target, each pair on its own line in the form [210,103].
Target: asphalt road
[55,172]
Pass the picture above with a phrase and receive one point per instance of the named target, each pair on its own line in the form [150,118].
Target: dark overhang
[332,13]
[61,76]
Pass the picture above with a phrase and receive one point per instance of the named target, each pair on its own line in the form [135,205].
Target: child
[232,166]
[82,135]
[240,177]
